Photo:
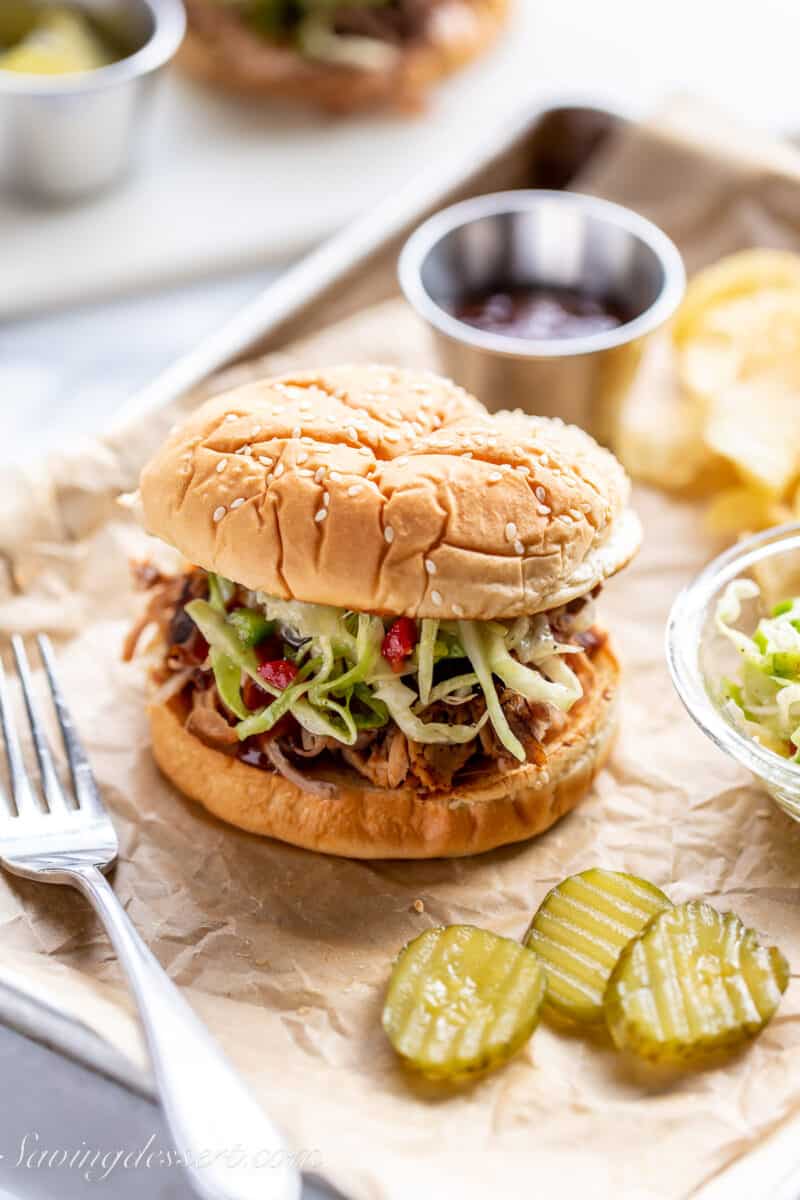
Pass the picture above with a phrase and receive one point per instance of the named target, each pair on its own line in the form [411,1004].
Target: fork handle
[228,1146]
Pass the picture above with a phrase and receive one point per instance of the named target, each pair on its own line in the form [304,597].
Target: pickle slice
[461,1001]
[693,982]
[579,932]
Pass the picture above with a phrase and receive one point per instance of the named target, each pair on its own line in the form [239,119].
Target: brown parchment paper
[286,954]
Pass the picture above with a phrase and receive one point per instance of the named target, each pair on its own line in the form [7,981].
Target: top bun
[390,491]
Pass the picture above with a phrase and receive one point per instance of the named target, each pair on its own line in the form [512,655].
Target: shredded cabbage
[473,638]
[764,701]
[399,700]
[563,691]
[425,662]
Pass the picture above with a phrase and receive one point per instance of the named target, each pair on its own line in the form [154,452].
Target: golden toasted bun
[390,491]
[220,49]
[358,820]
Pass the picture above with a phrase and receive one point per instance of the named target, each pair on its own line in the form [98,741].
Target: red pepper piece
[279,673]
[399,642]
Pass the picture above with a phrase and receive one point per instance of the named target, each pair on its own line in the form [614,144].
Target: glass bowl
[699,656]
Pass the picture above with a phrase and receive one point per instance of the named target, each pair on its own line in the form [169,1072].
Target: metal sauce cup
[553,239]
[65,136]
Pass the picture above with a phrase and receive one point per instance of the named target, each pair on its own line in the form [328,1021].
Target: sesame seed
[221,465]
[402,461]
[523,470]
[351,433]
[278,409]
[354,489]
[517,450]
[331,419]
[511,531]
[319,474]
[395,414]
[364,450]
[279,470]
[388,534]
[219,513]
[320,515]
[518,547]
[305,406]
[543,510]
[468,454]
[326,498]
[436,597]
[393,436]
[305,471]
[430,566]
[245,450]
[297,432]
[458,610]
[504,467]
[231,417]
[238,502]
[323,449]
[255,431]
[495,477]
[265,462]
[307,441]
[335,476]
[540,493]
[302,457]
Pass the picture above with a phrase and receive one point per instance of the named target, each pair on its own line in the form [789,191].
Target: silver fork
[229,1148]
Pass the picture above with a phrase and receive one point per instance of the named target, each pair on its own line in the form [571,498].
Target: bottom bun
[227,54]
[358,820]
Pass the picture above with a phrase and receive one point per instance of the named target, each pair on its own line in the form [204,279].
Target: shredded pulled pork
[384,756]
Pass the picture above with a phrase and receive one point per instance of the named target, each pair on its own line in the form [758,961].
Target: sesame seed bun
[220,49]
[390,491]
[362,821]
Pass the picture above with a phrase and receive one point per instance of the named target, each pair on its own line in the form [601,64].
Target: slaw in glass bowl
[702,657]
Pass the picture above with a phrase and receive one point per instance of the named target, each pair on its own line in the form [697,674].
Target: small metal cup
[554,239]
[65,136]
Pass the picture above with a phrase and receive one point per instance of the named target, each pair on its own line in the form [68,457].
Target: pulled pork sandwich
[387,644]
[341,55]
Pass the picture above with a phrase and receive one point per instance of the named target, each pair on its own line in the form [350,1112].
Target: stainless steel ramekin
[556,239]
[65,136]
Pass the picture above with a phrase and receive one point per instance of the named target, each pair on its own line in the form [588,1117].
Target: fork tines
[53,796]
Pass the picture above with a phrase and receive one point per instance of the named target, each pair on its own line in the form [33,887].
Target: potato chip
[742,509]
[722,413]
[747,272]
[756,425]
[659,428]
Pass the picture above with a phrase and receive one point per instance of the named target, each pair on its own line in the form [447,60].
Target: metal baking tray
[541,147]
[545,146]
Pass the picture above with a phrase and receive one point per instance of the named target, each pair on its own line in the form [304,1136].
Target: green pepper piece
[786,664]
[784,607]
[250,625]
